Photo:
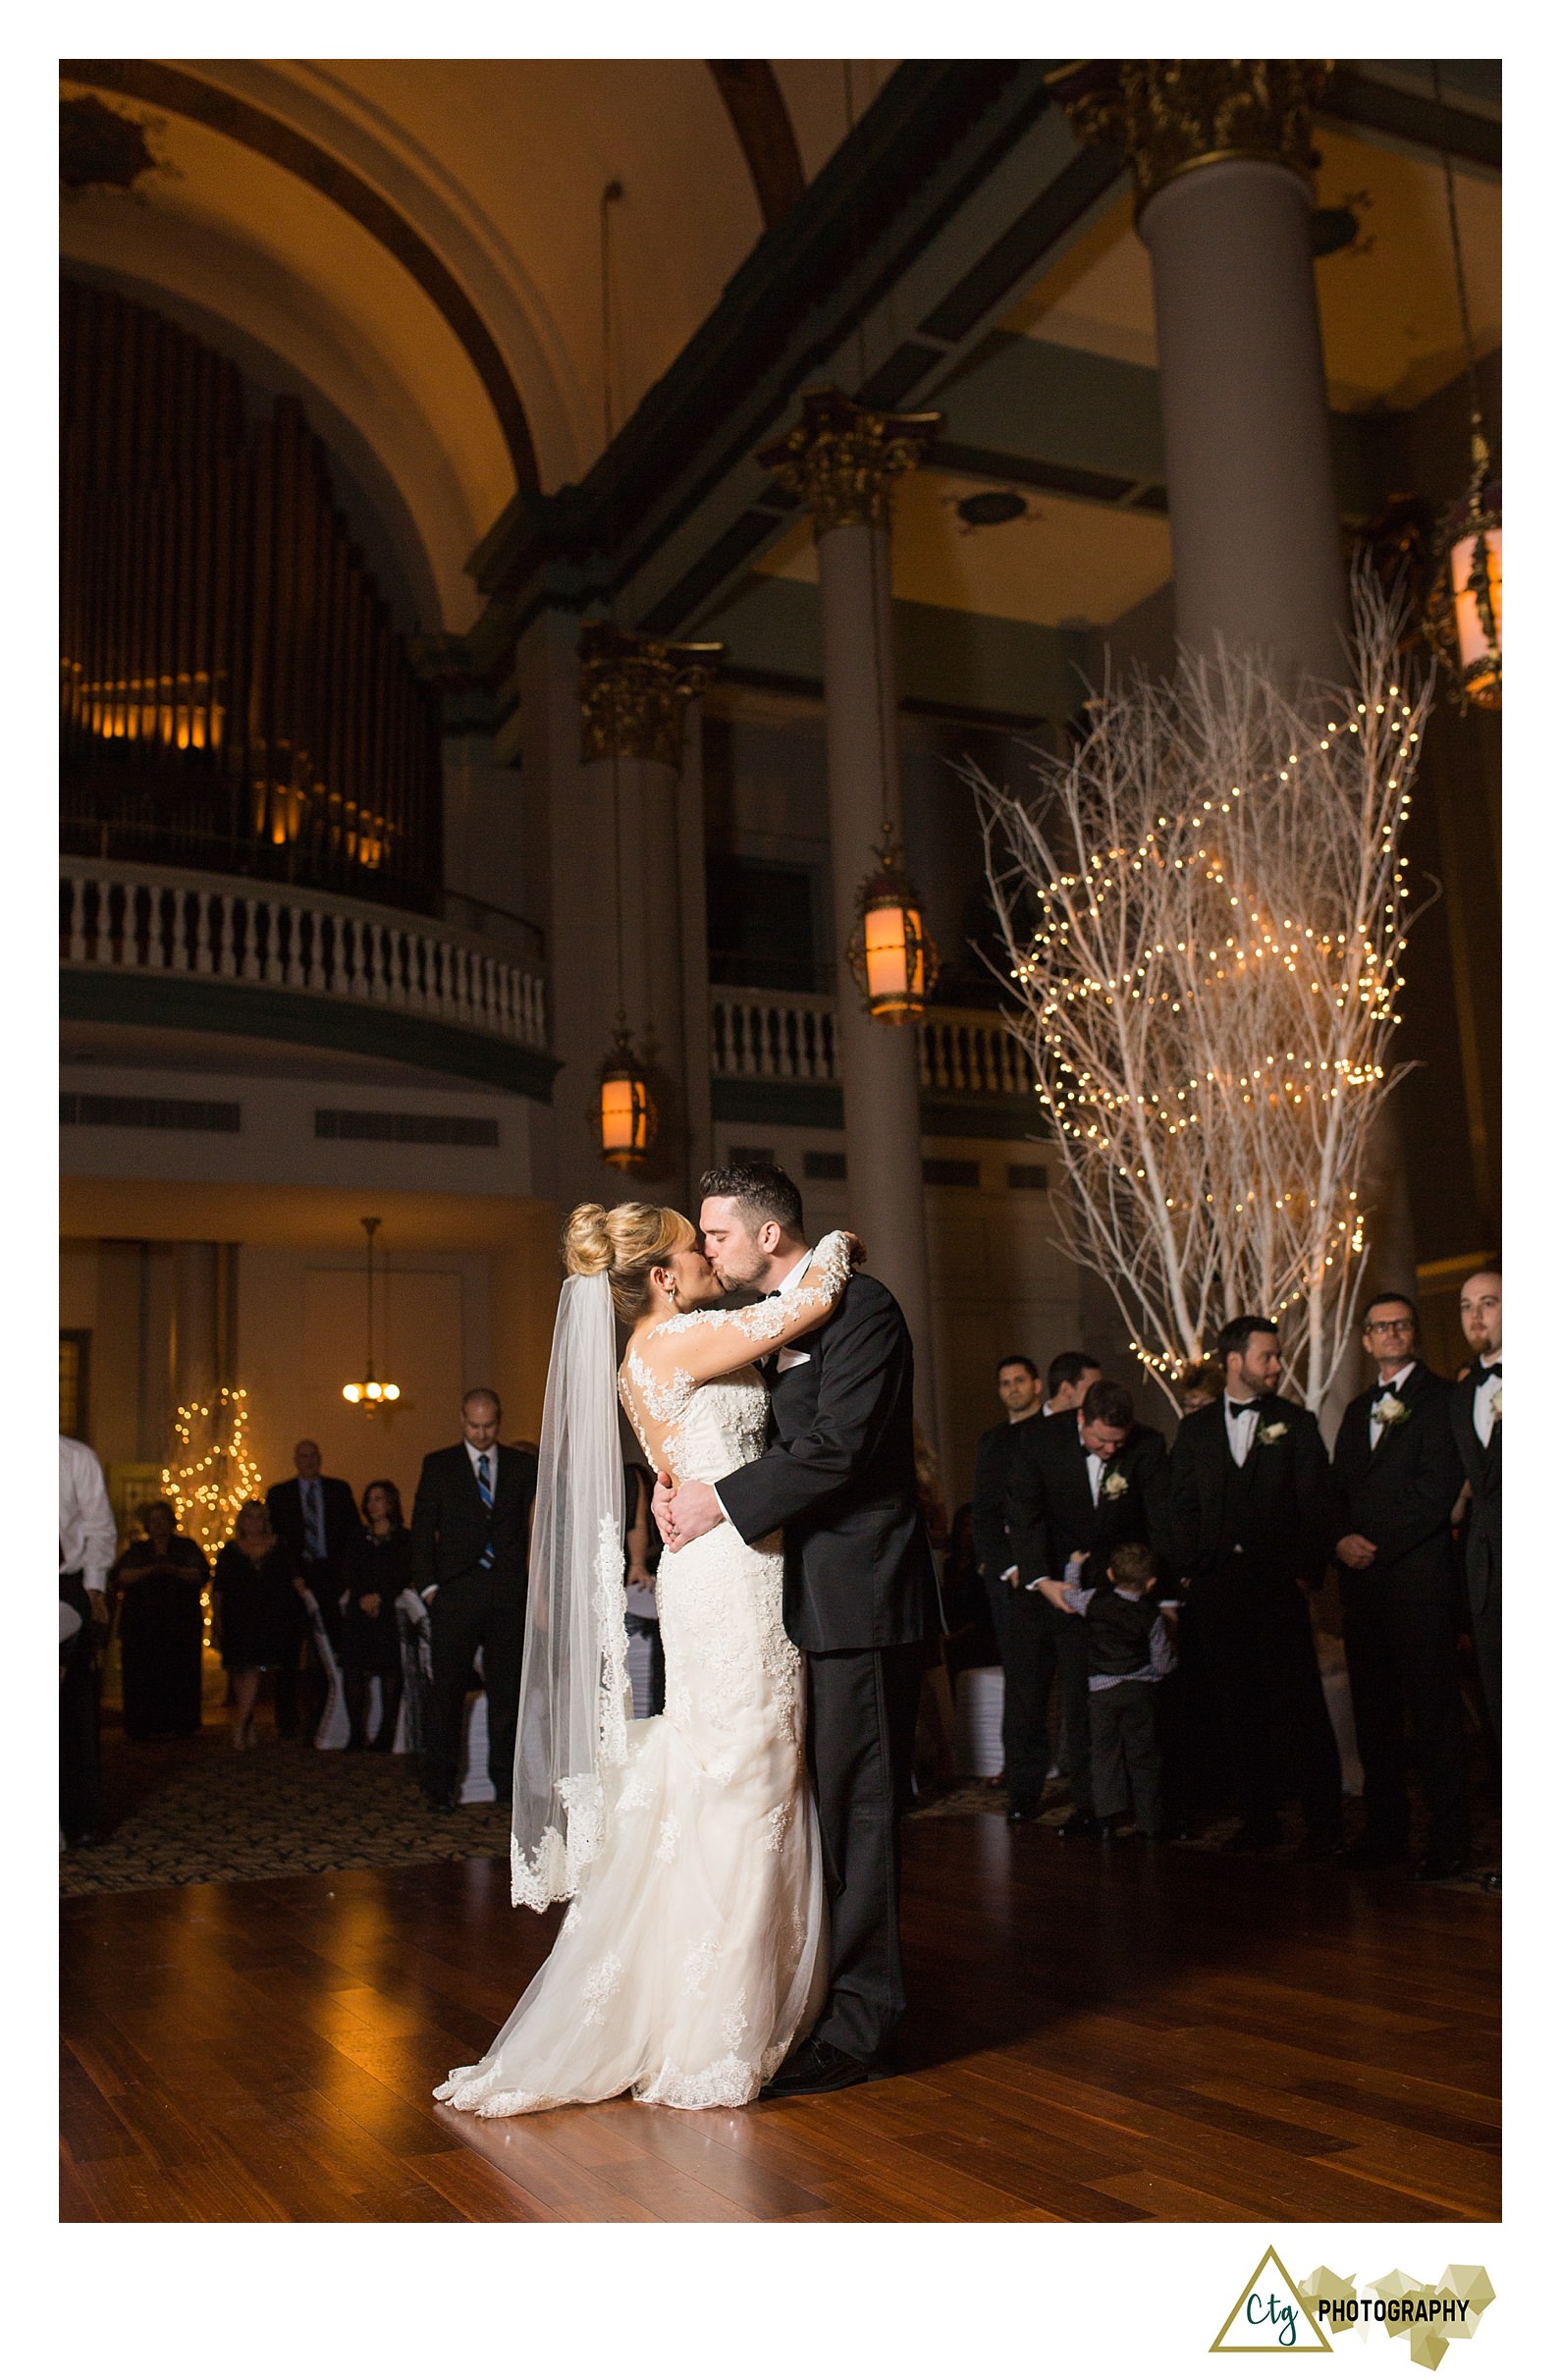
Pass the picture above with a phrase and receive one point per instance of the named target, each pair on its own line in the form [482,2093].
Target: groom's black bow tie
[1248,1404]
[1491,1372]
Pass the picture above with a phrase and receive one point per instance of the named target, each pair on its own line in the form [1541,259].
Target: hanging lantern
[370,1390]
[1462,618]
[892,955]
[625,1113]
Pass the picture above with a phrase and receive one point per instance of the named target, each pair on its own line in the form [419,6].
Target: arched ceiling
[418,240]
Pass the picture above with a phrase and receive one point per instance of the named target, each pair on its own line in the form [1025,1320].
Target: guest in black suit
[859,1598]
[1084,1480]
[1251,1519]
[316,1519]
[376,1569]
[1398,1475]
[472,1526]
[1020,1394]
[160,1578]
[1474,1411]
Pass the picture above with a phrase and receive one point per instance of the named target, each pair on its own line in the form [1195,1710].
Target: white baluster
[204,958]
[154,927]
[249,967]
[294,974]
[273,970]
[378,984]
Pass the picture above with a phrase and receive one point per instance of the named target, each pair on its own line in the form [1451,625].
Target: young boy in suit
[1129,1651]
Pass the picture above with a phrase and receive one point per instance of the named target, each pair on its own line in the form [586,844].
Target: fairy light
[211,1476]
[1208,1024]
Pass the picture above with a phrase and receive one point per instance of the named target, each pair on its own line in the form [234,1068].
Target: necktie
[314,1522]
[1491,1372]
[485,1491]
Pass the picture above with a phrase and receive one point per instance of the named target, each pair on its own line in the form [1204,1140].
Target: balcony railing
[789,1037]
[174,923]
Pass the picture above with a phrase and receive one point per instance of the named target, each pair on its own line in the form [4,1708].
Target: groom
[860,1596]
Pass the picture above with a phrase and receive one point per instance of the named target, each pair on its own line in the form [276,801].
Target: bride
[693,1951]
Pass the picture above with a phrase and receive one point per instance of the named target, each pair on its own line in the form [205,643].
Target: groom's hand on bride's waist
[692,1511]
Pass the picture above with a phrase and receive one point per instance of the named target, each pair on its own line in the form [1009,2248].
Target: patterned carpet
[198,1812]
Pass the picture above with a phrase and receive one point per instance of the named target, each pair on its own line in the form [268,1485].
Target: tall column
[635,696]
[198,1320]
[844,459]
[1221,153]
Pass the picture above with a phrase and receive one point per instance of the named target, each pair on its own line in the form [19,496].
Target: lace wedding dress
[693,1953]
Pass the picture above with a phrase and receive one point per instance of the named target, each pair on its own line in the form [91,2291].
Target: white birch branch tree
[1204,917]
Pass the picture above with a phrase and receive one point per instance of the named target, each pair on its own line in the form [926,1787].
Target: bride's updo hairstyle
[626,1243]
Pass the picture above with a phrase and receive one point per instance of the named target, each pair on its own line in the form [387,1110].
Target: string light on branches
[211,1474]
[1207,911]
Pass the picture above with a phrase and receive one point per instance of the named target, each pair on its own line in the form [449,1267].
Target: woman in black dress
[159,1578]
[378,1568]
[260,1599]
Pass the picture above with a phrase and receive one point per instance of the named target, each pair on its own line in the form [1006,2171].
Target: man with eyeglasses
[1397,1474]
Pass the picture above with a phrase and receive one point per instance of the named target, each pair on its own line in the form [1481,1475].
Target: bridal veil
[576,1698]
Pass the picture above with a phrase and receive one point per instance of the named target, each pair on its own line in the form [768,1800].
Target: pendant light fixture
[370,1390]
[1463,613]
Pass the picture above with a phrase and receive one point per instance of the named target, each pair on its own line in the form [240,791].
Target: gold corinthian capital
[842,458]
[1173,114]
[634,690]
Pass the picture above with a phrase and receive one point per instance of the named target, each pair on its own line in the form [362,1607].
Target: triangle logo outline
[1317,2344]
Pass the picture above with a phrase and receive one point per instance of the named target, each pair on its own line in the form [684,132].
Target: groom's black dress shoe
[816,2067]
[1078,1822]
[1020,1812]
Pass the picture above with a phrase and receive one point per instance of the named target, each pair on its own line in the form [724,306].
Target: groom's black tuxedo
[861,1600]
[839,1477]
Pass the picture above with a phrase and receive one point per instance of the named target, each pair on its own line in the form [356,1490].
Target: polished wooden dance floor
[1110,2036]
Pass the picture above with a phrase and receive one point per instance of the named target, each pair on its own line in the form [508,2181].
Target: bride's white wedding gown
[694,1952]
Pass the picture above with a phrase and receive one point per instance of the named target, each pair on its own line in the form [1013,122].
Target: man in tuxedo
[1474,1412]
[1398,1475]
[1251,1513]
[471,1525]
[1082,1481]
[1019,1392]
[316,1519]
[1069,1378]
[860,1593]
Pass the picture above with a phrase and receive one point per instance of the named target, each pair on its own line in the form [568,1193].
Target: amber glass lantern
[1462,618]
[892,955]
[625,1113]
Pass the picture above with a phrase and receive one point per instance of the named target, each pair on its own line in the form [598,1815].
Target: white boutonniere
[1273,1432]
[1113,1484]
[1389,1411]
[1495,1406]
